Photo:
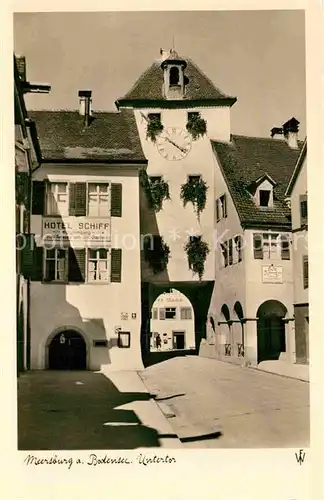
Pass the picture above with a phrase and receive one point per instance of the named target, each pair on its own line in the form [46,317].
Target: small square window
[155,178]
[195,239]
[170,313]
[194,178]
[124,340]
[264,198]
[192,115]
[154,116]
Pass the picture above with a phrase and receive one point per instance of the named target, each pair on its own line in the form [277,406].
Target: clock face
[173,143]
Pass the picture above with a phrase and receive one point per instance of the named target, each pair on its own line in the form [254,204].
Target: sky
[256,56]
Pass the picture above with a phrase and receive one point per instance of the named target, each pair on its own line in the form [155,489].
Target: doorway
[178,340]
[271,330]
[67,351]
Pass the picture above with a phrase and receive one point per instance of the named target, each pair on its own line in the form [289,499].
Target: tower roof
[199,89]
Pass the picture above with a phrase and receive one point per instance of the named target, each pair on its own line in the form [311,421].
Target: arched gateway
[271,330]
[67,351]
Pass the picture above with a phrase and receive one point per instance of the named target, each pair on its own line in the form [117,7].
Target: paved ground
[220,405]
[87,410]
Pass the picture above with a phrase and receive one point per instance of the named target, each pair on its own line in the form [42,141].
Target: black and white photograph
[161,220]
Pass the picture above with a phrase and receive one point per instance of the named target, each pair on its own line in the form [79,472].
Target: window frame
[46,259]
[167,309]
[305,279]
[268,205]
[48,191]
[88,260]
[185,309]
[222,207]
[108,193]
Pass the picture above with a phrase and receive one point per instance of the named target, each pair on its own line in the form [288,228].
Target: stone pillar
[251,342]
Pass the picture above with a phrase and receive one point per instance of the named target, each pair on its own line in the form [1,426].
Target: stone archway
[226,333]
[67,350]
[271,330]
[238,329]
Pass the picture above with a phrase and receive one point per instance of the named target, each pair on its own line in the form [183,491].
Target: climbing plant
[196,125]
[156,253]
[197,251]
[156,191]
[195,192]
[21,187]
[154,128]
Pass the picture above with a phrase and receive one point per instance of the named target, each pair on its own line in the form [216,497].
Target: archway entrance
[67,351]
[271,330]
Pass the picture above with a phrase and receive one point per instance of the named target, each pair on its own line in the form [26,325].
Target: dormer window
[174,76]
[264,197]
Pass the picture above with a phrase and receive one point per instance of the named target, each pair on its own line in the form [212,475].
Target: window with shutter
[98,265]
[217,211]
[162,313]
[37,271]
[78,199]
[76,265]
[56,264]
[305,271]
[285,248]
[230,252]
[57,198]
[303,209]
[98,199]
[38,197]
[116,265]
[27,256]
[116,200]
[185,313]
[257,246]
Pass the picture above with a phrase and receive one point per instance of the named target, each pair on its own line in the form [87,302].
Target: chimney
[164,54]
[85,105]
[290,132]
[21,66]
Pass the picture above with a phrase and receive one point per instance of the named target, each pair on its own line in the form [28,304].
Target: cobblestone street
[213,404]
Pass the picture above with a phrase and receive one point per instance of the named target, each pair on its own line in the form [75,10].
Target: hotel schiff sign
[83,230]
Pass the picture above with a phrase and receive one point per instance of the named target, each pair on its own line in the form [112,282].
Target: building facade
[85,290]
[251,312]
[297,195]
[173,321]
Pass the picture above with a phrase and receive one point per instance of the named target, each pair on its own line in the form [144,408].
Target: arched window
[174,76]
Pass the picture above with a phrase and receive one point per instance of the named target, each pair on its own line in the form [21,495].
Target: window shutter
[303,209]
[27,255]
[38,197]
[37,271]
[305,271]
[285,250]
[116,265]
[257,246]
[239,248]
[76,265]
[225,205]
[80,198]
[72,189]
[162,313]
[217,211]
[116,200]
[230,252]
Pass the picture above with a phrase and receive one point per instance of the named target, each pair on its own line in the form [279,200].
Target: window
[285,247]
[238,247]
[221,208]
[185,313]
[98,200]
[155,313]
[303,209]
[230,252]
[174,76]
[267,245]
[305,271]
[170,313]
[123,339]
[270,246]
[194,239]
[264,198]
[154,116]
[225,253]
[98,265]
[56,264]
[155,179]
[57,198]
[194,178]
[192,115]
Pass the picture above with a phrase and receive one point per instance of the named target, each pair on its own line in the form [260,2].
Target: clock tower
[178,110]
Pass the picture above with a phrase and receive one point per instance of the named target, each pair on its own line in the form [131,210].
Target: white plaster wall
[94,309]
[177,300]
[174,222]
[300,238]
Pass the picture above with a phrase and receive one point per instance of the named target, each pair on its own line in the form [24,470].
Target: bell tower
[174,79]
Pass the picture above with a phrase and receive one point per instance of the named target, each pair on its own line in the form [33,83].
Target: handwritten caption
[94,460]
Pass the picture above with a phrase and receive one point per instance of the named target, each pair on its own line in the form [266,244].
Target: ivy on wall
[156,191]
[154,128]
[196,125]
[197,251]
[156,253]
[194,191]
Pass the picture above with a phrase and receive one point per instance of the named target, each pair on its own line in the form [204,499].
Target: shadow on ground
[156,357]
[79,410]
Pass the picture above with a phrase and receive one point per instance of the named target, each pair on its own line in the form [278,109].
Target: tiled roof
[109,137]
[243,161]
[149,86]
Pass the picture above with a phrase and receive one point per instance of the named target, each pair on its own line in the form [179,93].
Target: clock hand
[176,145]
